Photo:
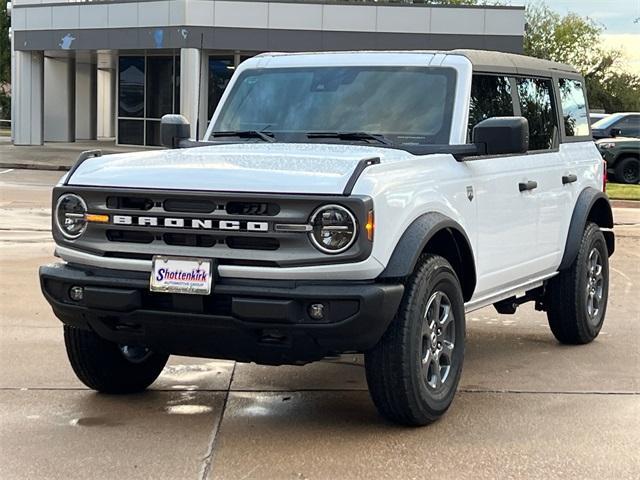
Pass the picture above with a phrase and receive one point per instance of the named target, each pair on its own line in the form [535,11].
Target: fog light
[316,311]
[76,293]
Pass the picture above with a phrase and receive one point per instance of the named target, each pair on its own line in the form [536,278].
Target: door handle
[530,185]
[569,178]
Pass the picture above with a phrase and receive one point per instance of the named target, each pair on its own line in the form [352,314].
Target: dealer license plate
[181,275]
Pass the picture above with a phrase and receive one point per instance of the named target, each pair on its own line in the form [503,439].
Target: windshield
[404,104]
[606,122]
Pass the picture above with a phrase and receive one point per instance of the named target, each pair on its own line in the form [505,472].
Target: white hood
[249,167]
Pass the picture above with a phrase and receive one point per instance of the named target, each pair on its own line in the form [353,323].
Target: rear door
[546,166]
[579,160]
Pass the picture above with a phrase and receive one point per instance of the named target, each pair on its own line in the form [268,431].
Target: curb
[625,203]
[34,166]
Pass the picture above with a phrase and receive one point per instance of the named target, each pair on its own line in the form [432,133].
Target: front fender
[417,236]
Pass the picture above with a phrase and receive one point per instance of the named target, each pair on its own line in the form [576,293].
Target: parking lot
[527,406]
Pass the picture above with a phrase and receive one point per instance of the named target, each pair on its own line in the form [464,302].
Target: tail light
[604,176]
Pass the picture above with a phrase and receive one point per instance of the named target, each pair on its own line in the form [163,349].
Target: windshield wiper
[351,136]
[266,136]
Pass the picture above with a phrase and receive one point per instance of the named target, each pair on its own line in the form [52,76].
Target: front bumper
[246,320]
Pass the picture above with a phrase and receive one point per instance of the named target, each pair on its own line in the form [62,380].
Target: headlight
[606,145]
[334,229]
[70,215]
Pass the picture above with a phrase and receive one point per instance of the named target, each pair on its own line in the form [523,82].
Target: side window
[574,108]
[629,126]
[536,104]
[490,97]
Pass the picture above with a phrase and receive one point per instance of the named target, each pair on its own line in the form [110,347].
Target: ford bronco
[339,202]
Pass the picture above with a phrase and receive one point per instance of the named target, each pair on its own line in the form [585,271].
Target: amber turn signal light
[370,226]
[95,218]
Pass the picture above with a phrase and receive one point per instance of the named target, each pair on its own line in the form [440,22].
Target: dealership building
[87,69]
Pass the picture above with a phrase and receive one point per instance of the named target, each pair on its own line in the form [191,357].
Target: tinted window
[412,104]
[536,105]
[490,97]
[159,86]
[574,108]
[131,132]
[131,87]
[176,95]
[153,132]
[220,72]
[629,126]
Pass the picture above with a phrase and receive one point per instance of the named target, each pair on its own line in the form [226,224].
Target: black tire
[102,365]
[628,170]
[572,320]
[401,384]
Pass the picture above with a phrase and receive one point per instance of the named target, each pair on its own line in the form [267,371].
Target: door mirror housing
[173,130]
[615,132]
[502,135]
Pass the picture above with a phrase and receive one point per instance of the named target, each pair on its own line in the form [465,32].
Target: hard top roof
[485,60]
[482,60]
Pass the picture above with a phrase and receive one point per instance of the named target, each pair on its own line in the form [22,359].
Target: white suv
[340,202]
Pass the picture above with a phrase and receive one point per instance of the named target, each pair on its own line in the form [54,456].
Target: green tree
[578,41]
[5,62]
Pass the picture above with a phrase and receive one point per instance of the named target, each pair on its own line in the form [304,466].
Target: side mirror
[174,129]
[502,135]
[615,132]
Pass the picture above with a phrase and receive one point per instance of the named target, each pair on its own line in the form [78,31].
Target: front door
[506,225]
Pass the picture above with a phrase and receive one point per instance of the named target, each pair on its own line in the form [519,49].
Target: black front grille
[252,243]
[189,240]
[130,203]
[190,206]
[252,208]
[231,227]
[129,236]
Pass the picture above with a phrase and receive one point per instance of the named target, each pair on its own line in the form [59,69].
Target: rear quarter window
[574,108]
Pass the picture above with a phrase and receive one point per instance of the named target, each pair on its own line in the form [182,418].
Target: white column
[27,98]
[86,101]
[59,99]
[204,96]
[190,87]
[106,103]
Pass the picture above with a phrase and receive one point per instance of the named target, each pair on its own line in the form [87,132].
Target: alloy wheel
[595,286]
[438,336]
[631,173]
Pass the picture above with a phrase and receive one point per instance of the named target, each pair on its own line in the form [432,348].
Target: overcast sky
[617,16]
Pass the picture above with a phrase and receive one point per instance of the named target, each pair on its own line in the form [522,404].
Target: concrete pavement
[527,406]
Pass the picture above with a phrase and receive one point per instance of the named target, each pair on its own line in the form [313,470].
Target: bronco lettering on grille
[191,223]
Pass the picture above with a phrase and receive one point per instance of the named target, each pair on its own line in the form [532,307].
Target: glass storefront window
[131,87]
[148,88]
[131,132]
[159,86]
[153,132]
[220,72]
